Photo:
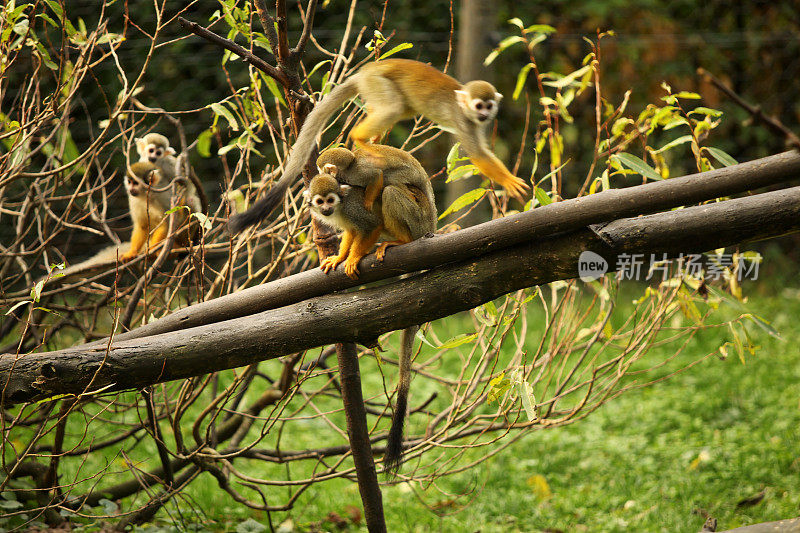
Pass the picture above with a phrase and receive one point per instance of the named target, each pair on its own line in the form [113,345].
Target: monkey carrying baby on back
[147,184]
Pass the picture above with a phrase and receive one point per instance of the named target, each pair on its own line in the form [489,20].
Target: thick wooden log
[363,315]
[494,235]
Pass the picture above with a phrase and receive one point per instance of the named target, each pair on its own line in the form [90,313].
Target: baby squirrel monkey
[149,198]
[393,90]
[405,211]
[154,148]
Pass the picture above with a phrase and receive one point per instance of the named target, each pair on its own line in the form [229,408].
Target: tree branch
[364,315]
[245,54]
[772,123]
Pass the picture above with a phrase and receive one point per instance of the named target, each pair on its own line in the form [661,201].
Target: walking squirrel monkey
[393,90]
[405,211]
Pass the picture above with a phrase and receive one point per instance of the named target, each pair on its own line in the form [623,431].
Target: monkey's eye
[479,105]
[489,106]
[331,199]
[319,201]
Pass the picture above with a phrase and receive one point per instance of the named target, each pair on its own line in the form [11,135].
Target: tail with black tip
[393,457]
[298,155]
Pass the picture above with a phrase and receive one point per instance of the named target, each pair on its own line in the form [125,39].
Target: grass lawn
[660,458]
[653,459]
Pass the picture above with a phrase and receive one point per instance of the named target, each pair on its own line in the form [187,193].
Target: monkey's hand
[494,169]
[330,263]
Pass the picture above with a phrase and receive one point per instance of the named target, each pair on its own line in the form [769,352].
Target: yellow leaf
[540,487]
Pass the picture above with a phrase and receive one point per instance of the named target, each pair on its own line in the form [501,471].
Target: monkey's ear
[498,97]
[344,187]
[171,150]
[330,168]
[140,145]
[306,196]
[462,97]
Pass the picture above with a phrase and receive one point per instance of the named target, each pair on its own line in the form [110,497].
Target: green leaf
[464,200]
[272,86]
[687,95]
[205,223]
[521,78]
[204,143]
[461,172]
[398,48]
[721,156]
[505,43]
[458,340]
[221,110]
[540,28]
[16,305]
[36,291]
[541,196]
[707,111]
[569,78]
[672,144]
[637,165]
[517,22]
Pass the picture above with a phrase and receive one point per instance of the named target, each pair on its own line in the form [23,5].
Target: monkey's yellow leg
[330,263]
[495,170]
[361,247]
[159,234]
[373,190]
[138,238]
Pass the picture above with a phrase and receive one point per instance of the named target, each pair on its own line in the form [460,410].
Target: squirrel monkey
[402,189]
[358,168]
[154,148]
[342,207]
[405,211]
[393,90]
[149,198]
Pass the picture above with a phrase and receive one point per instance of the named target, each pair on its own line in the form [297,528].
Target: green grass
[654,459]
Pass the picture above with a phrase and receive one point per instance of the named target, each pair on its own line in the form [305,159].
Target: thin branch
[772,123]
[308,24]
[246,55]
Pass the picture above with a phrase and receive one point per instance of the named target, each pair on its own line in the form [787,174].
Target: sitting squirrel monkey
[393,90]
[405,211]
[149,198]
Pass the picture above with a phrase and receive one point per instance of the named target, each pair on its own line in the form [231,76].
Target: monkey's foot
[127,257]
[380,252]
[330,263]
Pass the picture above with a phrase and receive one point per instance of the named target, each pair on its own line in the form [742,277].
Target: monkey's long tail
[393,457]
[105,257]
[298,155]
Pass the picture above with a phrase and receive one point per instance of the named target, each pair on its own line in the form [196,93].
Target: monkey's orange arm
[495,170]
[138,238]
[330,263]
[159,234]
